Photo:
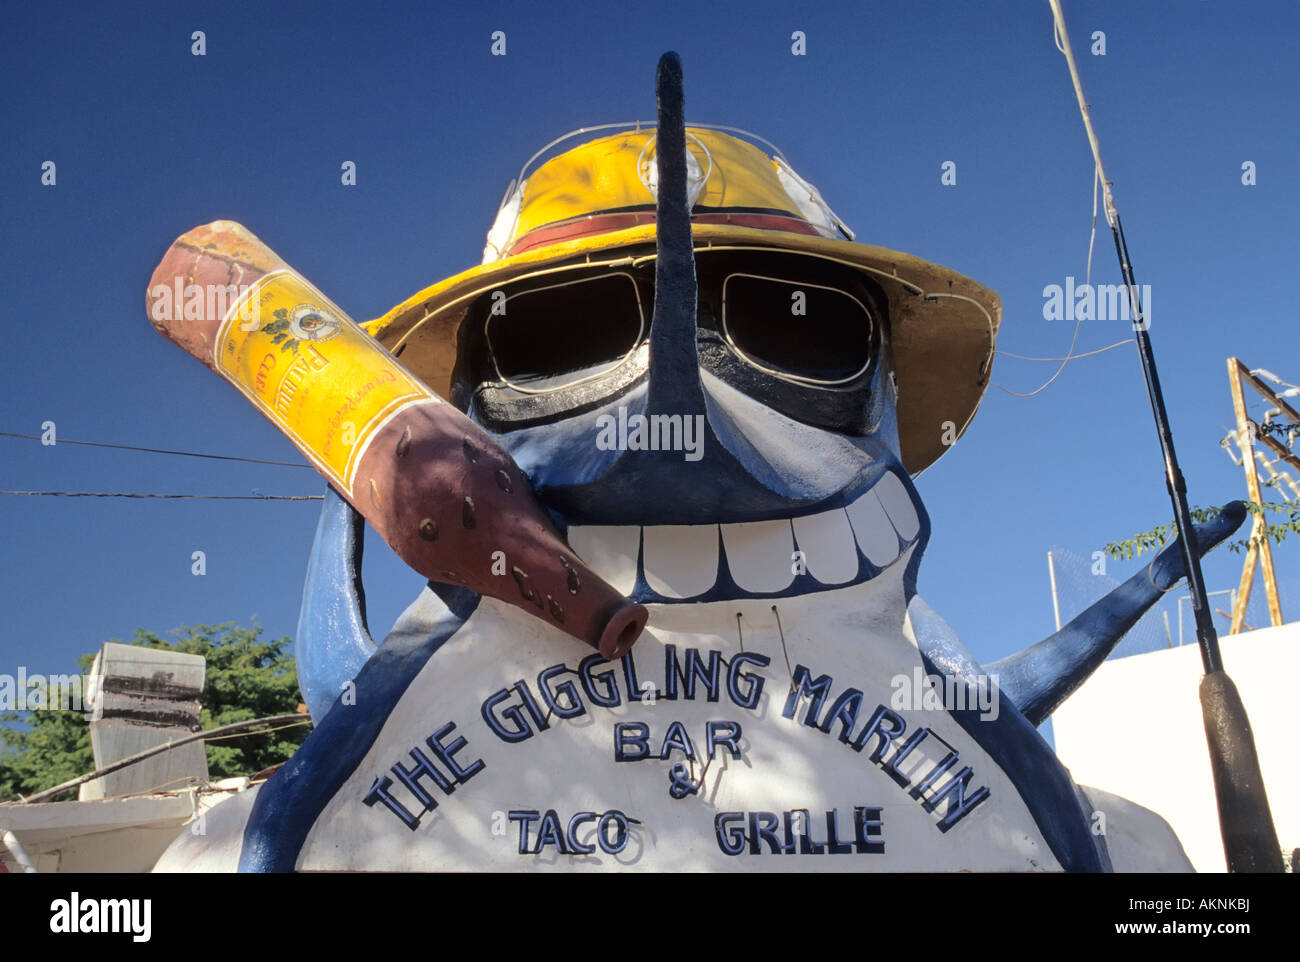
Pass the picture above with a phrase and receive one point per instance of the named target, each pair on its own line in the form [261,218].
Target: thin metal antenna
[1056,604]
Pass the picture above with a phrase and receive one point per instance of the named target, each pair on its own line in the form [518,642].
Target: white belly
[793,788]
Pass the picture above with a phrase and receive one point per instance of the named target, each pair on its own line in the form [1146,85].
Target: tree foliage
[245,678]
[1162,534]
[54,749]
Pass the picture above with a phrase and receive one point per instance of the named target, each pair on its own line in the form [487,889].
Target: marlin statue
[719,399]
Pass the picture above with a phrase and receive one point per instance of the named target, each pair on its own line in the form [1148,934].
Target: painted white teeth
[898,505]
[609,550]
[834,559]
[874,532]
[760,554]
[681,560]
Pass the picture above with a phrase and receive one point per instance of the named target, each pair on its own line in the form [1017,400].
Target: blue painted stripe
[1042,782]
[1039,778]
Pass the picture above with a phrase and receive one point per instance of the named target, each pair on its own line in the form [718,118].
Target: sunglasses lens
[812,333]
[552,335]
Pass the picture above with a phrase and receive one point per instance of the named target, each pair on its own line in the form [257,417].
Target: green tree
[245,678]
[55,749]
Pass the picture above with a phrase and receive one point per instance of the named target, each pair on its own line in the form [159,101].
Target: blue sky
[150,140]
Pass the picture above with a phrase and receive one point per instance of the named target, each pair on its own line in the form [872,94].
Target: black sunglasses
[794,319]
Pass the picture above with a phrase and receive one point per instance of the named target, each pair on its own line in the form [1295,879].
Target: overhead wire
[132,447]
[194,497]
[1069,354]
[141,494]
[209,735]
[1070,357]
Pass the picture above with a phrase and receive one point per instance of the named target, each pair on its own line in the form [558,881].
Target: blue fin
[1038,679]
[333,639]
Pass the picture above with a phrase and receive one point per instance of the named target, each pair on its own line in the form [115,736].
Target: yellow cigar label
[313,371]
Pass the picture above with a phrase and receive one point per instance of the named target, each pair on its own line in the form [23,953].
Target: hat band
[592,224]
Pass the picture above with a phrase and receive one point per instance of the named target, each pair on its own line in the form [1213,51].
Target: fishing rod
[1245,822]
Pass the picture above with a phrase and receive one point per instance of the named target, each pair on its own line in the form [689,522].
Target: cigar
[444,495]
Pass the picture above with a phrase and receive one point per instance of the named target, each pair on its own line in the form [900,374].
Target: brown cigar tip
[622,631]
[226,227]
[221,232]
[227,240]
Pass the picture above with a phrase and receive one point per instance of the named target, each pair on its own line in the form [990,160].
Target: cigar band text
[313,372]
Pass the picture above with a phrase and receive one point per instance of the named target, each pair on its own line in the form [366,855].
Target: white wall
[1135,729]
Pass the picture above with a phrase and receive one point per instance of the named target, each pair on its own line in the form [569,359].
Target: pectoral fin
[1041,677]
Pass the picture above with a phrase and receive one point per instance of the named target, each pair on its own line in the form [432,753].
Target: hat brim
[943,325]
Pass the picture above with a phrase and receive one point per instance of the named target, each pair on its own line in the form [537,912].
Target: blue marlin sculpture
[720,399]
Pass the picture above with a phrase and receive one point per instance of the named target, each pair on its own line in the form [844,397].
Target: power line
[197,497]
[209,735]
[132,447]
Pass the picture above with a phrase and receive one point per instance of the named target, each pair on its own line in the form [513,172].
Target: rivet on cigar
[467,513]
[429,530]
[374,494]
[521,579]
[469,451]
[404,443]
[503,481]
[556,611]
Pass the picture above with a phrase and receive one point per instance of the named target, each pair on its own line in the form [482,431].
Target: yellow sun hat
[596,202]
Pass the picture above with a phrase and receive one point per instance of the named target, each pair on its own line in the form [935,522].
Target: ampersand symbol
[682,784]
